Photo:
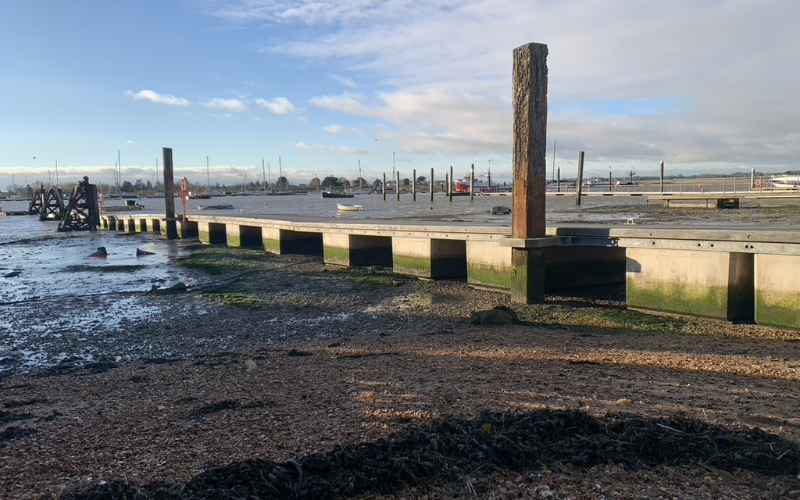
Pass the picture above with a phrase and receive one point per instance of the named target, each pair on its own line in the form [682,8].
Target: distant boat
[284,193]
[349,208]
[200,196]
[129,206]
[786,182]
[215,207]
[329,194]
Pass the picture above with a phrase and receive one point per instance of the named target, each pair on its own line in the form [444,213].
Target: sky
[706,86]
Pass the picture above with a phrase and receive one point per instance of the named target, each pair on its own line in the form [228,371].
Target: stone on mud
[500,315]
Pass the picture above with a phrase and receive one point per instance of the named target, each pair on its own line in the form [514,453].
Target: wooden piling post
[414,184]
[558,180]
[472,182]
[752,179]
[579,180]
[431,184]
[530,140]
[661,175]
[383,186]
[450,185]
[169,194]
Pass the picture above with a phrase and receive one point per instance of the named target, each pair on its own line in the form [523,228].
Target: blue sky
[325,84]
[69,68]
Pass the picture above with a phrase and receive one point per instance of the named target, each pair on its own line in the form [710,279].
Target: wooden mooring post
[661,176]
[472,182]
[530,140]
[450,185]
[397,184]
[558,180]
[579,180]
[430,184]
[383,186]
[169,195]
[414,184]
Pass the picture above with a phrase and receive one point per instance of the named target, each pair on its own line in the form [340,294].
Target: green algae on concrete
[414,266]
[489,276]
[233,239]
[709,301]
[336,255]
[272,245]
[778,309]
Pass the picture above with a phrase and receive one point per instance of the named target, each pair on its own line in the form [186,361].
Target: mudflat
[293,379]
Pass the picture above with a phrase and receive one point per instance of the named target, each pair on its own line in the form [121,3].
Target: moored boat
[330,194]
[349,208]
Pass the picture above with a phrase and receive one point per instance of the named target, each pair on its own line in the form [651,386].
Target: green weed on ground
[222,260]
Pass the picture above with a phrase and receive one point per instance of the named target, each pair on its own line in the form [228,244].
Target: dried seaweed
[452,448]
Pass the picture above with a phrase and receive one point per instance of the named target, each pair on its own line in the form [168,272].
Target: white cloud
[346,150]
[276,106]
[230,105]
[333,129]
[446,69]
[314,12]
[155,97]
[344,81]
[344,103]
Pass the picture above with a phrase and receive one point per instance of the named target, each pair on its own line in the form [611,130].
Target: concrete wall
[233,235]
[271,239]
[488,264]
[210,233]
[356,250]
[429,258]
[575,267]
[777,290]
[713,284]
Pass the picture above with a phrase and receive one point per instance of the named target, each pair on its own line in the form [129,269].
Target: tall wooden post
[414,184]
[472,182]
[450,184]
[397,184]
[579,180]
[752,179]
[431,184]
[383,186]
[558,180]
[530,170]
[169,194]
[661,175]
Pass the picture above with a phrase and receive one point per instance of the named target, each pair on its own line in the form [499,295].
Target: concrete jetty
[718,272]
[738,275]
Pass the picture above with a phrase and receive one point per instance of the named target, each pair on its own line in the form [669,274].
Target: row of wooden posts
[431,184]
[530,135]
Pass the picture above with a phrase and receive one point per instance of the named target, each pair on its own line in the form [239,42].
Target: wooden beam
[530,170]
[430,184]
[530,140]
[169,195]
[579,180]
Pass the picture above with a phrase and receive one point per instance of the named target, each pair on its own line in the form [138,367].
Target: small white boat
[349,208]
[786,182]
